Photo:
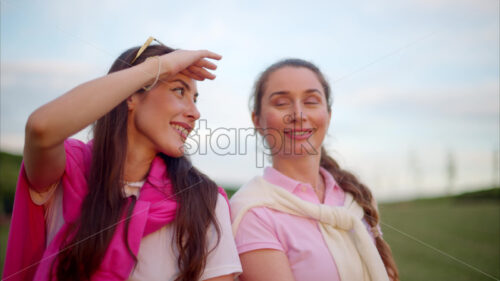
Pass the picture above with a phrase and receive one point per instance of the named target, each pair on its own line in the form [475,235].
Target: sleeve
[223,259]
[257,231]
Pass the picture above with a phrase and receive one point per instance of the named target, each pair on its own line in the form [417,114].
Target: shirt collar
[131,191]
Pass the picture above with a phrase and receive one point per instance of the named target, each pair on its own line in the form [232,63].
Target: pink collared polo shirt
[298,237]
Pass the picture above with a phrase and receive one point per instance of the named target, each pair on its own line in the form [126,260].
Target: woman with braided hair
[305,218]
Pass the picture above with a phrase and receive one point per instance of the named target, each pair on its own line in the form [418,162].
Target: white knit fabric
[347,238]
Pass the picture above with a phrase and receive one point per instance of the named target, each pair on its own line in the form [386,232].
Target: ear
[256,123]
[132,101]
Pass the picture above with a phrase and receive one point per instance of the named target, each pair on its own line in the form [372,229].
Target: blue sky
[413,81]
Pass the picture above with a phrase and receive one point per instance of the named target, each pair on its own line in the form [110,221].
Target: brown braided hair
[345,179]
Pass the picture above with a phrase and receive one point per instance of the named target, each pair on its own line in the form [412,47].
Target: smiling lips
[182,128]
[298,134]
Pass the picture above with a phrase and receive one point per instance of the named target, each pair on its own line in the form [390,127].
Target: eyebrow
[280,93]
[183,83]
[312,91]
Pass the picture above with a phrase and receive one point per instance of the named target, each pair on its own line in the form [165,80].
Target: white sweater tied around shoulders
[347,238]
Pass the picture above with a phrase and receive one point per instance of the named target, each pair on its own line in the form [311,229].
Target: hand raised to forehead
[194,64]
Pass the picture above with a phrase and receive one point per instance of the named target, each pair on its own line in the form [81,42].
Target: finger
[201,72]
[209,54]
[194,75]
[185,72]
[206,64]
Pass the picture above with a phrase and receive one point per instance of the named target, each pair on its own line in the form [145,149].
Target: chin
[300,151]
[174,152]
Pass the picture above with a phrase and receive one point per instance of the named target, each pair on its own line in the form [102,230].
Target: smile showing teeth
[298,134]
[184,132]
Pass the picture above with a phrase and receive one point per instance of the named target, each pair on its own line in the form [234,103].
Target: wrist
[149,70]
[158,72]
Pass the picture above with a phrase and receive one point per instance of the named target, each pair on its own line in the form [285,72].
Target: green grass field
[4,232]
[465,230]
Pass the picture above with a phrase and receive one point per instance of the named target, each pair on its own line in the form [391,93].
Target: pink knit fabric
[27,258]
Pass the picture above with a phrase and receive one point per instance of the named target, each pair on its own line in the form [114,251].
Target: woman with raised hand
[305,218]
[127,205]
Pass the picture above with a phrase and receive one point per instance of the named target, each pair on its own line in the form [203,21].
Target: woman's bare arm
[266,264]
[48,126]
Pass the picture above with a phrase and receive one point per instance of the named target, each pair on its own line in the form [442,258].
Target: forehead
[292,79]
[179,78]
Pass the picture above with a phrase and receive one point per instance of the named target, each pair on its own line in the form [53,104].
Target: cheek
[272,119]
[322,122]
[272,125]
[143,122]
[151,120]
[322,119]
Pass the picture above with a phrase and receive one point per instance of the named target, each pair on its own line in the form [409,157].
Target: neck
[137,165]
[138,160]
[304,169]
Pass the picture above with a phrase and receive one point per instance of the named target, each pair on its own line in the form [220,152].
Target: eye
[312,100]
[179,90]
[281,102]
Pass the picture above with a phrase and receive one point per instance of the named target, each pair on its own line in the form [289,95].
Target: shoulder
[259,218]
[78,155]
[257,230]
[78,148]
[222,206]
[255,190]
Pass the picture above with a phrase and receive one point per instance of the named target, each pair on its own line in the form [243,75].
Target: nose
[192,112]
[297,115]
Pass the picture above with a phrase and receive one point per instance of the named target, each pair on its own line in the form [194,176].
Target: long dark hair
[105,205]
[345,179]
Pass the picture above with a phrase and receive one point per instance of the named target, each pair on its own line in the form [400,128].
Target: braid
[364,198]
